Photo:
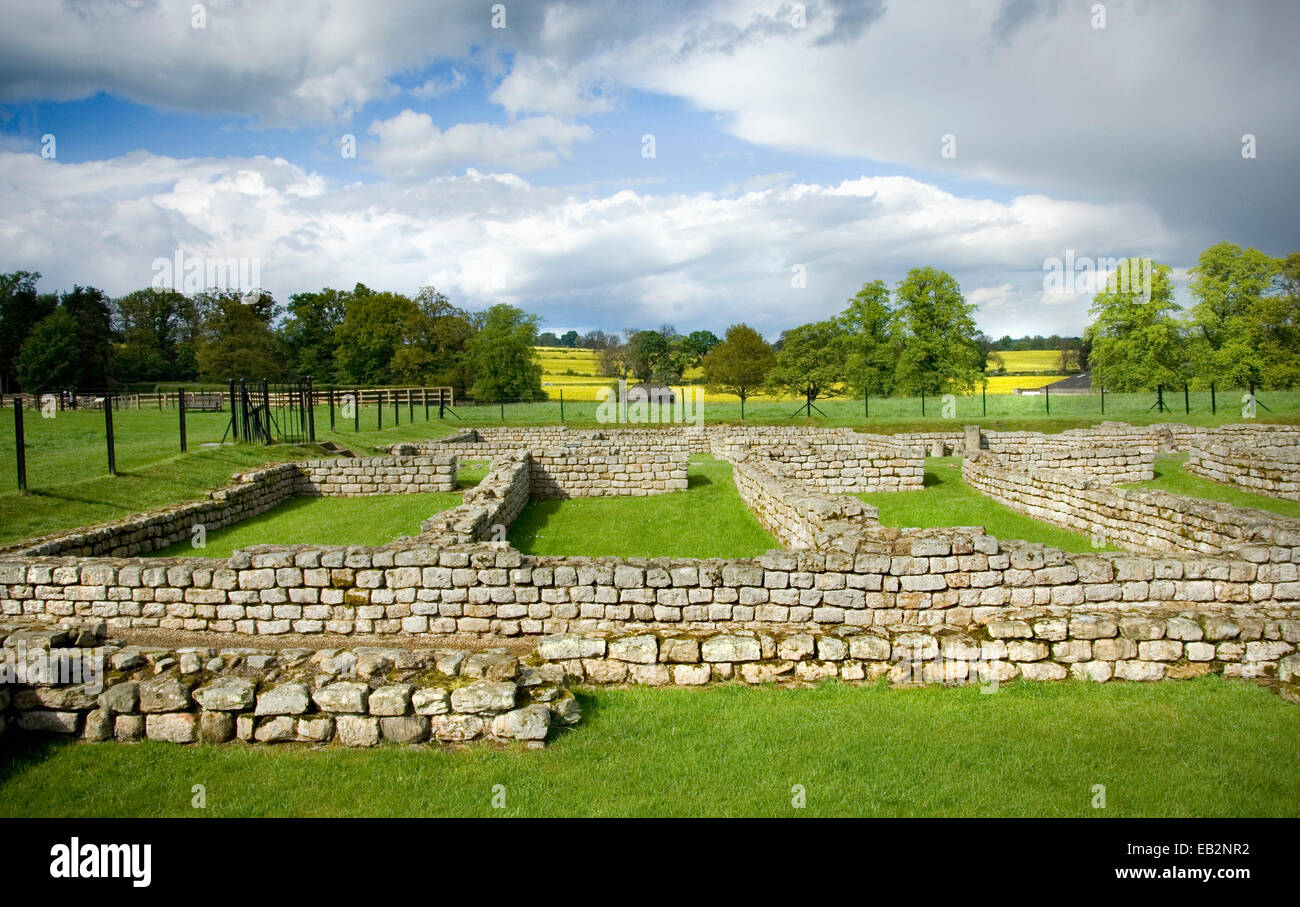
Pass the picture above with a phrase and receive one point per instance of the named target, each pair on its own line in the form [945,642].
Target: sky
[612,165]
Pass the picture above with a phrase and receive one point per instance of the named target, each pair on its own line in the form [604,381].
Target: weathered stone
[216,727]
[284,699]
[317,728]
[869,648]
[642,650]
[1139,670]
[457,728]
[121,698]
[529,723]
[490,666]
[566,647]
[163,694]
[277,729]
[408,729]
[391,700]
[431,701]
[344,696]
[567,710]
[355,730]
[226,694]
[731,649]
[172,727]
[128,727]
[98,726]
[679,650]
[484,697]
[796,647]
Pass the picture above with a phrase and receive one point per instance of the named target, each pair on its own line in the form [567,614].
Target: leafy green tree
[649,355]
[93,312]
[435,343]
[810,363]
[740,364]
[310,333]
[502,357]
[1279,326]
[373,330]
[159,326]
[935,328]
[569,339]
[20,311]
[1227,318]
[697,344]
[50,358]
[547,338]
[1136,341]
[236,340]
[870,352]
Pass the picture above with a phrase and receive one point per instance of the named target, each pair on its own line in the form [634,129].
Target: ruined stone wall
[795,514]
[100,692]
[834,468]
[1112,466]
[377,475]
[1259,468]
[489,508]
[598,470]
[1136,519]
[1151,645]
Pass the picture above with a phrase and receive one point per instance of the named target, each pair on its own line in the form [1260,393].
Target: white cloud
[410,146]
[609,259]
[433,88]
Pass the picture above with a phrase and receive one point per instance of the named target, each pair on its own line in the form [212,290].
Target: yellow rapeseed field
[584,385]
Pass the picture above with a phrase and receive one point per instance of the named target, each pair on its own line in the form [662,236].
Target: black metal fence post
[410,406]
[311,411]
[356,410]
[1187,399]
[562,405]
[180,405]
[380,418]
[108,430]
[424,396]
[1213,407]
[922,401]
[234,421]
[266,409]
[1103,399]
[984,398]
[1047,396]
[20,446]
[397,410]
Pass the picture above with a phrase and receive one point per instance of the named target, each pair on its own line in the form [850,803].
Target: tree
[1227,318]
[159,327]
[810,363]
[548,339]
[435,343]
[373,329]
[20,311]
[51,355]
[698,343]
[502,357]
[92,311]
[740,364]
[870,353]
[935,327]
[310,332]
[569,339]
[649,355]
[1279,326]
[1135,340]
[236,340]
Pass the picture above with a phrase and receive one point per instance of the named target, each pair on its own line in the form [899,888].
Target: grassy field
[1171,477]
[370,520]
[1207,747]
[947,500]
[70,486]
[707,520]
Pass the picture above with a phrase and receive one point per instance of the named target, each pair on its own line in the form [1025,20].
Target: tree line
[919,337]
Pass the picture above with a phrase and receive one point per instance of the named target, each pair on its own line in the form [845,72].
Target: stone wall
[834,468]
[252,493]
[1151,645]
[1259,468]
[1111,466]
[350,697]
[794,514]
[597,470]
[376,475]
[1137,519]
[489,508]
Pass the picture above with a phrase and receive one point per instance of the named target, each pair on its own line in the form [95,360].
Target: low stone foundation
[348,697]
[1262,469]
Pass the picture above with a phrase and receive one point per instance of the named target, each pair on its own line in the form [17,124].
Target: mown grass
[947,500]
[1206,747]
[370,520]
[1173,478]
[707,520]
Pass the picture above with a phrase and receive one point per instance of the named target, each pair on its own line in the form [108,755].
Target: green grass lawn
[1171,477]
[948,501]
[707,520]
[370,520]
[1207,747]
